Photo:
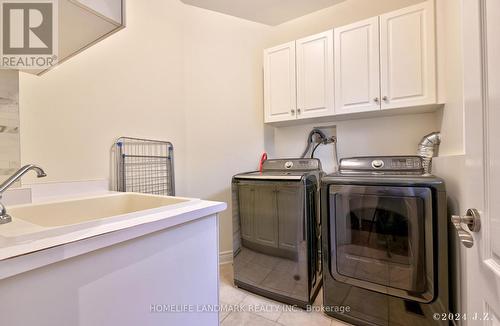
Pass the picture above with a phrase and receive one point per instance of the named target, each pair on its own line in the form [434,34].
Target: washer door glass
[379,239]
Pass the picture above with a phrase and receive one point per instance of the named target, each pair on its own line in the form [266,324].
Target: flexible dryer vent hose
[429,148]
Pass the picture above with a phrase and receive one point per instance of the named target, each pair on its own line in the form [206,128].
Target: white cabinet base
[363,115]
[128,284]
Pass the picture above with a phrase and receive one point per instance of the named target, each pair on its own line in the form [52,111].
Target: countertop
[19,256]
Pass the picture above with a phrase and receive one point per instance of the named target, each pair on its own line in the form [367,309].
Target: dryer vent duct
[429,148]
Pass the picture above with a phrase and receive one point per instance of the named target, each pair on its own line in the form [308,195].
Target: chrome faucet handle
[40,173]
[4,217]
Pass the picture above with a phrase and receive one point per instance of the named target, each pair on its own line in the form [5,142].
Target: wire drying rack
[144,166]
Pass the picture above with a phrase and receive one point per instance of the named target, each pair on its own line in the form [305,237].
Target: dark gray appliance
[384,242]
[277,235]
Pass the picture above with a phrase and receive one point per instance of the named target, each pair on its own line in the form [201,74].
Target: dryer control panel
[389,164]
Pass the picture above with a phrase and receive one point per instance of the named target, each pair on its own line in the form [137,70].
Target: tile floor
[270,313]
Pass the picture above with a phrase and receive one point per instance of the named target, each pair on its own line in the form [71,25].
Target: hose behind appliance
[321,140]
[310,141]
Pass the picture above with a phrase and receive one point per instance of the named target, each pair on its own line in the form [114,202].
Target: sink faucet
[40,173]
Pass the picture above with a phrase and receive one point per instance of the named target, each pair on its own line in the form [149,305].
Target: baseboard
[225,257]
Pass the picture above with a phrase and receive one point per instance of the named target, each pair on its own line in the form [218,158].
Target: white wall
[194,77]
[341,14]
[450,60]
[130,84]
[451,165]
[397,135]
[224,113]
[176,72]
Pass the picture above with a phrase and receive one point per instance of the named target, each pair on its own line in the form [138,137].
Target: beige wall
[175,72]
[450,59]
[193,77]
[224,113]
[341,14]
[130,84]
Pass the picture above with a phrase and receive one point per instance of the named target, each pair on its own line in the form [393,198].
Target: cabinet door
[265,216]
[315,75]
[290,202]
[407,57]
[246,203]
[279,83]
[357,73]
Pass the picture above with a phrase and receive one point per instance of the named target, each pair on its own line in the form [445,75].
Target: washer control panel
[299,164]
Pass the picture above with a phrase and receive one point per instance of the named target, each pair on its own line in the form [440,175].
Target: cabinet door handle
[293,112]
[385,98]
[298,111]
[375,100]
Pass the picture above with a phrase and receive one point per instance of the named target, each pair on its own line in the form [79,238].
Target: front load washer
[277,235]
[384,242]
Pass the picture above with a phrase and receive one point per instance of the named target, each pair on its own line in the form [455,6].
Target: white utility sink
[88,209]
[37,221]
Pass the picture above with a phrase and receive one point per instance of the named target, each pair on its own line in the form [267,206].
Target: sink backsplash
[9,123]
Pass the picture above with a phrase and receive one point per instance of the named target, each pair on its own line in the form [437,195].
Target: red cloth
[263,158]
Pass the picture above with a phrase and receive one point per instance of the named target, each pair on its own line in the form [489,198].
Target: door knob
[293,111]
[385,98]
[375,100]
[473,221]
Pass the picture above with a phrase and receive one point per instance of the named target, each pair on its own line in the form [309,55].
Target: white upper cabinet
[385,62]
[279,83]
[357,75]
[407,57]
[315,75]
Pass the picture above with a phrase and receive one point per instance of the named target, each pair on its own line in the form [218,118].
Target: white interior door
[357,67]
[482,115]
[315,75]
[407,56]
[279,83]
